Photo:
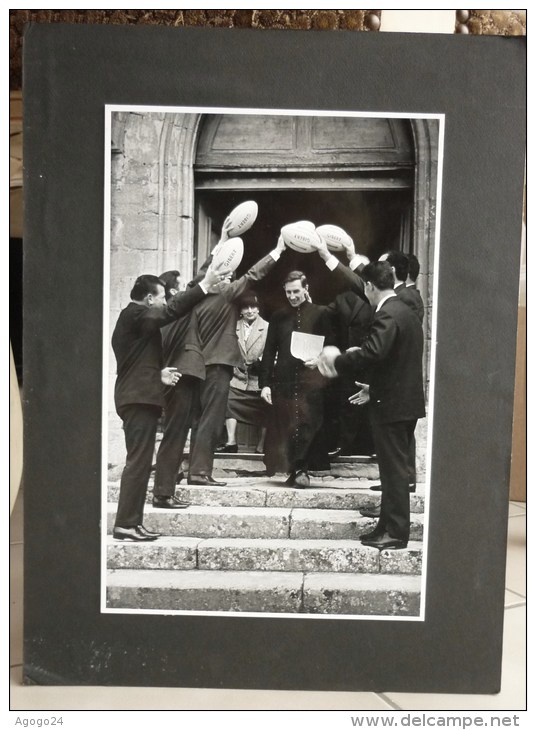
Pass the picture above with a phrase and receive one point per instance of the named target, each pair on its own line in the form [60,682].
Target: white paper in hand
[306,347]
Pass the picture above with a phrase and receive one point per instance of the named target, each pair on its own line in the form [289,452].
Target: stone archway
[153,208]
[153,199]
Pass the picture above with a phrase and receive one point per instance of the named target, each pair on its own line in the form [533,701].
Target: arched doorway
[175,175]
[355,172]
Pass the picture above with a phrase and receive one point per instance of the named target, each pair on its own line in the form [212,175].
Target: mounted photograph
[270,279]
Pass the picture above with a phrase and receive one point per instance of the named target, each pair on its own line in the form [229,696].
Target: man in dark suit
[399,263]
[137,345]
[181,408]
[209,354]
[295,391]
[392,354]
[351,315]
[414,268]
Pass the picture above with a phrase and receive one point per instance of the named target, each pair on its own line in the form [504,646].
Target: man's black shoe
[336,452]
[203,480]
[385,542]
[132,534]
[372,535]
[301,479]
[370,511]
[412,488]
[145,531]
[169,503]
[227,449]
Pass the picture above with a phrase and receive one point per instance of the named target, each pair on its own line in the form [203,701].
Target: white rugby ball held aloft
[300,237]
[241,218]
[335,237]
[228,255]
[306,224]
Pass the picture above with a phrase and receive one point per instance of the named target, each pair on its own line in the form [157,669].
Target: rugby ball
[241,218]
[229,255]
[300,237]
[306,224]
[334,237]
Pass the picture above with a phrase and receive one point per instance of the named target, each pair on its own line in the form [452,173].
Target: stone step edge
[315,514]
[179,578]
[281,555]
[276,482]
[271,490]
[262,542]
[303,594]
[252,456]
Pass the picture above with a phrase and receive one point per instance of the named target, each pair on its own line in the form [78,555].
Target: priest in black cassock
[295,392]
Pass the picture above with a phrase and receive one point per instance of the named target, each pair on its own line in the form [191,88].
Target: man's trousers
[180,412]
[139,424]
[393,449]
[213,395]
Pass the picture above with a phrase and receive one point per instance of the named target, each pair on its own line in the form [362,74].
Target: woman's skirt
[247,406]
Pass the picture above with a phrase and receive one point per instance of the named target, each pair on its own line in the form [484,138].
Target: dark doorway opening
[377,220]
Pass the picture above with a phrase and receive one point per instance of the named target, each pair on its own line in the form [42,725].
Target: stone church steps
[261,522]
[265,592]
[246,464]
[333,494]
[256,545]
[262,554]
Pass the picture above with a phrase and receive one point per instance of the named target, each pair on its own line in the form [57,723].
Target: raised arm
[346,277]
[234,289]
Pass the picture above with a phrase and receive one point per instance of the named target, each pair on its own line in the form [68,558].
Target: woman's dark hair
[248,300]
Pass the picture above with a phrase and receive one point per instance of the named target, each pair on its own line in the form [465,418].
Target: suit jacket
[351,317]
[174,334]
[412,298]
[419,304]
[279,369]
[246,376]
[350,312]
[392,354]
[211,335]
[137,344]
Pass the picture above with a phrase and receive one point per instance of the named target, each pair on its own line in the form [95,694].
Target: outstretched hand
[322,248]
[362,396]
[213,279]
[223,237]
[326,361]
[170,376]
[225,230]
[281,246]
[349,248]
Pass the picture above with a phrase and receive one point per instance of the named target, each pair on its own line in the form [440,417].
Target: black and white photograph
[271,297]
[270,279]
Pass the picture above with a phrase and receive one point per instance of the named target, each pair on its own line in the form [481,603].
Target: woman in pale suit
[245,404]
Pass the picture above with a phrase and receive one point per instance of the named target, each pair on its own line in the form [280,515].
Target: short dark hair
[170,280]
[414,266]
[145,284]
[295,276]
[249,299]
[400,262]
[380,274]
